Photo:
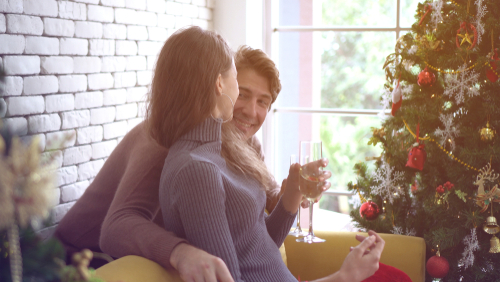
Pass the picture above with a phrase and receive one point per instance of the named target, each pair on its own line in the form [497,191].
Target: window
[330,55]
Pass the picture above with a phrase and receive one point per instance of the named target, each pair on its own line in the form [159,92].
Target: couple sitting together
[199,206]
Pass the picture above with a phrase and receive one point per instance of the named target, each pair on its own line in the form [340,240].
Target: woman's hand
[363,260]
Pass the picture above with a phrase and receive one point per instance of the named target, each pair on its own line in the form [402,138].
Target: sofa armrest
[136,269]
[313,261]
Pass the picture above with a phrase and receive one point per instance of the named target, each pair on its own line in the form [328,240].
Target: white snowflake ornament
[398,230]
[386,98]
[471,245]
[462,84]
[481,11]
[436,16]
[449,132]
[388,182]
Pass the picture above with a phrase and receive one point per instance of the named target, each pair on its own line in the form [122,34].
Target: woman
[212,189]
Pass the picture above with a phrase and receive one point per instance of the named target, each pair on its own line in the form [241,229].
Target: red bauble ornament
[493,64]
[437,266]
[414,187]
[369,210]
[417,156]
[426,78]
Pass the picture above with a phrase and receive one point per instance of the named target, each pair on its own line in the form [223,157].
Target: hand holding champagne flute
[311,181]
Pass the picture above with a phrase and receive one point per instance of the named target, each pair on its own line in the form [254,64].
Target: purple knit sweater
[220,211]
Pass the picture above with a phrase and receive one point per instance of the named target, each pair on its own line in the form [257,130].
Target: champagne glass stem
[298,220]
[311,232]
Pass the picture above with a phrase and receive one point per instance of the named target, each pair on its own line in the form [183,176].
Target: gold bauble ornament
[487,133]
[494,245]
[491,226]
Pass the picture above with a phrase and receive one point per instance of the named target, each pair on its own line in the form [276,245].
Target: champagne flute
[297,232]
[309,185]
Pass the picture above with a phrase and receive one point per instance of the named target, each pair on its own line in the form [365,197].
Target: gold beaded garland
[441,147]
[492,69]
[448,72]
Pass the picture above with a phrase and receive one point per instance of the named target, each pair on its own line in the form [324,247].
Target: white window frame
[270,31]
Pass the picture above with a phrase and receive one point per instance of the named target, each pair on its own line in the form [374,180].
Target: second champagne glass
[297,232]
[310,186]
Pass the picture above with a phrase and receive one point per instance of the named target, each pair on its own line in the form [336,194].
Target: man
[119,212]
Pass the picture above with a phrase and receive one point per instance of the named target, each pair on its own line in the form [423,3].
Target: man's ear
[218,85]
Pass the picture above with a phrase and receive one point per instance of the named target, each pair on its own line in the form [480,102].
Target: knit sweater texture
[220,210]
[119,213]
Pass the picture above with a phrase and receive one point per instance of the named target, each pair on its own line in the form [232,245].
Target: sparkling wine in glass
[309,184]
[297,232]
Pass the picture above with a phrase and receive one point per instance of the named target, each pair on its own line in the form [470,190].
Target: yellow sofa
[310,261]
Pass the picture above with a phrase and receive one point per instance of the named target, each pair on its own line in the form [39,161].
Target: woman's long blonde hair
[183,94]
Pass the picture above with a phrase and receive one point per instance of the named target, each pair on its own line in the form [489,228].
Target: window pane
[380,13]
[333,69]
[336,203]
[409,12]
[351,68]
[344,142]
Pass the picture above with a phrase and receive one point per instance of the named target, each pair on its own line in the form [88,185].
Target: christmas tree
[437,175]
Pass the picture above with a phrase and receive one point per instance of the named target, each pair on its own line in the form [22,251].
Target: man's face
[253,102]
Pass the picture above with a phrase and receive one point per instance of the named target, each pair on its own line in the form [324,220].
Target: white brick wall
[103,149]
[126,111]
[44,123]
[74,191]
[78,71]
[87,64]
[91,134]
[58,27]
[75,119]
[73,46]
[13,86]
[100,13]
[101,47]
[40,7]
[34,85]
[125,79]
[77,155]
[100,81]
[114,97]
[24,24]
[42,45]
[89,170]
[3,23]
[11,6]
[72,83]
[56,65]
[71,10]
[102,115]
[114,31]
[87,100]
[22,65]
[113,64]
[59,103]
[113,3]
[18,106]
[88,29]
[12,44]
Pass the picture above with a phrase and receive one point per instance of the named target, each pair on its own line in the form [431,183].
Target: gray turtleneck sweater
[221,211]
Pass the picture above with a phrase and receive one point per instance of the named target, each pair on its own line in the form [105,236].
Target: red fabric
[416,157]
[386,273]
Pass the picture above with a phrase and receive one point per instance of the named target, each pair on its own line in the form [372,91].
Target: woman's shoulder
[193,159]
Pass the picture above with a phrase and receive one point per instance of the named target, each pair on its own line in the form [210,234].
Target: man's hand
[363,260]
[290,188]
[195,265]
